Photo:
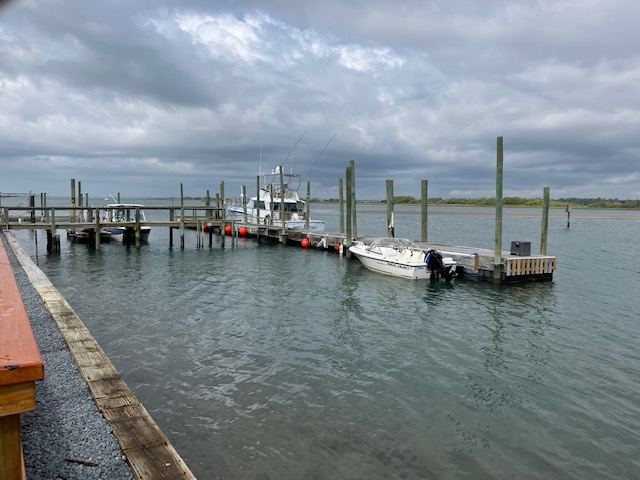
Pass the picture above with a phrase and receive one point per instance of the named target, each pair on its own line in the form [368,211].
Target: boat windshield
[394,243]
[290,207]
[126,214]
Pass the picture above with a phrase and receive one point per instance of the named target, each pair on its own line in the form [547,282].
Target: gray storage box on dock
[521,248]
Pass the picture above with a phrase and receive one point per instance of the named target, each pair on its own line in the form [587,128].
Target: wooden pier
[148,451]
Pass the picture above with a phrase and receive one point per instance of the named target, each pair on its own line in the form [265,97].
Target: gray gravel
[66,437]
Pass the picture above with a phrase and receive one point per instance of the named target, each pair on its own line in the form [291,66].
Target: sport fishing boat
[124,212]
[267,210]
[401,257]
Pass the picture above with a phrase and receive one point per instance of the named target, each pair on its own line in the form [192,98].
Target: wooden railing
[20,367]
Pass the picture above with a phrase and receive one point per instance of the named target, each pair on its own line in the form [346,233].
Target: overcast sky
[139,96]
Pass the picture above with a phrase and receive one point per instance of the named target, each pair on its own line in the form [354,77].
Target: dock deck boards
[146,448]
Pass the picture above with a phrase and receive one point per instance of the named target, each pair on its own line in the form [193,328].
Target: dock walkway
[87,423]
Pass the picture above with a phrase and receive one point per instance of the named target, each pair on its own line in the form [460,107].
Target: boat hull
[387,266]
[128,235]
[237,214]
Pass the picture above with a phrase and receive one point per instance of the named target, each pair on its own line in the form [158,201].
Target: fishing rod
[320,154]
[292,149]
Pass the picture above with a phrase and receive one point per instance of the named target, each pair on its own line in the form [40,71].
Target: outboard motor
[436,266]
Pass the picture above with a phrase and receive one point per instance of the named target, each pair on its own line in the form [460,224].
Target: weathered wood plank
[145,446]
[17,398]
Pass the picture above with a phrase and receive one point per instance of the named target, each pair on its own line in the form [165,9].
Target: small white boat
[401,257]
[267,209]
[124,212]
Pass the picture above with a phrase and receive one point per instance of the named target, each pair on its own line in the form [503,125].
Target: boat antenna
[293,148]
[320,154]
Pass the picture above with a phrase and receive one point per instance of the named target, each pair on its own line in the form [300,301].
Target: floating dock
[511,268]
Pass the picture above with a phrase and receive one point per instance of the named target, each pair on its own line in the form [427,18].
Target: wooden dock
[511,269]
[475,261]
[148,451]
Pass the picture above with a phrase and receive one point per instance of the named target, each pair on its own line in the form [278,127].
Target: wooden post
[341,204]
[497,262]
[32,203]
[224,210]
[424,196]
[181,217]
[308,212]
[352,164]
[390,220]
[567,209]
[244,202]
[545,222]
[171,217]
[257,207]
[137,228]
[349,225]
[46,210]
[118,197]
[56,246]
[282,216]
[41,205]
[87,206]
[11,447]
[73,200]
[271,204]
[209,215]
[97,227]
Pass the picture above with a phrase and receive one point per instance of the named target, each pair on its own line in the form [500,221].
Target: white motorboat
[401,257]
[124,212]
[267,210]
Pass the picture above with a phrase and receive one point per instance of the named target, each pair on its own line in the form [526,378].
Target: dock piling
[424,208]
[390,220]
[349,224]
[497,270]
[545,222]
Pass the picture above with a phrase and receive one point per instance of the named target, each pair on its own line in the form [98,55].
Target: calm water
[270,362]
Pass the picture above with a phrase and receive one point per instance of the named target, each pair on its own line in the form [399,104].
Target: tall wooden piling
[222,206]
[341,204]
[137,228]
[171,215]
[73,200]
[352,164]
[257,206]
[390,219]
[97,229]
[424,195]
[32,203]
[244,202]
[497,262]
[349,225]
[308,212]
[545,222]
[283,232]
[181,217]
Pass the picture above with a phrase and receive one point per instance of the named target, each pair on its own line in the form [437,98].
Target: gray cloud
[139,98]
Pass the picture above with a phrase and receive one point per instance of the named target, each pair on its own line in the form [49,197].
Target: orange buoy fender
[243,231]
[227,229]
[305,243]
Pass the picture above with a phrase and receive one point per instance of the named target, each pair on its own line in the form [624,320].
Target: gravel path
[66,437]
